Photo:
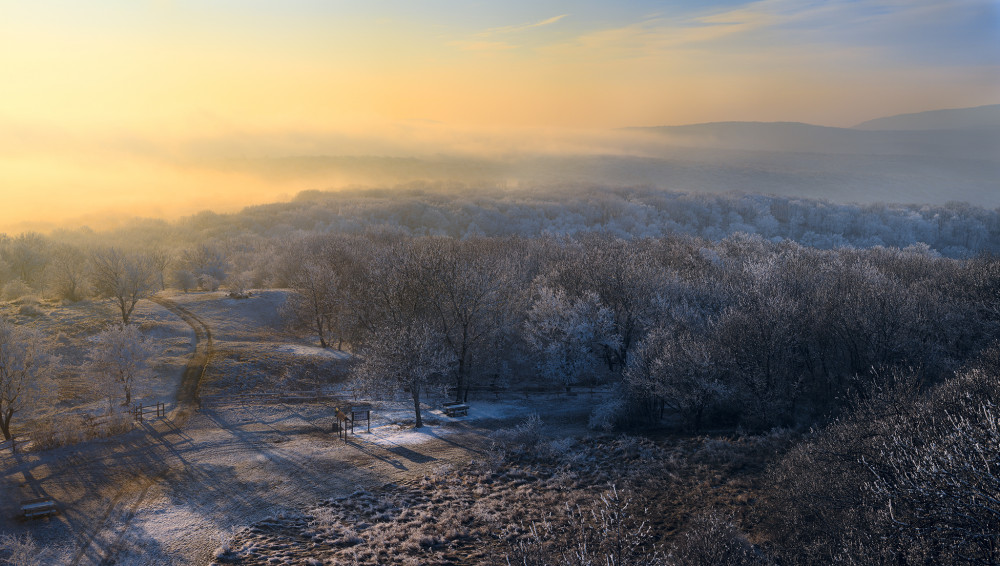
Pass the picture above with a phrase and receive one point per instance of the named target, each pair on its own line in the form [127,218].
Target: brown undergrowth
[538,501]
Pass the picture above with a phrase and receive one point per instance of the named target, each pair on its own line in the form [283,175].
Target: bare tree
[68,273]
[403,348]
[27,256]
[21,362]
[126,278]
[313,303]
[160,260]
[185,280]
[470,286]
[409,357]
[119,358]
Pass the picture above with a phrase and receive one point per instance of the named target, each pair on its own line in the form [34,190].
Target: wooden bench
[455,409]
[39,507]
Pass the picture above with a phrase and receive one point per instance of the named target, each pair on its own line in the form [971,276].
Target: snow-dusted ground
[300,350]
[70,329]
[170,491]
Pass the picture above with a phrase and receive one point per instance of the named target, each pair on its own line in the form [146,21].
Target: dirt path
[123,508]
[187,394]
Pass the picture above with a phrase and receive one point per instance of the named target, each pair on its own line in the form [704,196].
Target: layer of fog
[59,178]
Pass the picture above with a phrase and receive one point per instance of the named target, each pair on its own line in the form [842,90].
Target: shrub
[30,309]
[607,532]
[519,440]
[21,551]
[15,290]
[607,415]
[208,283]
[713,539]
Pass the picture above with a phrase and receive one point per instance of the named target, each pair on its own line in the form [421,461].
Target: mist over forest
[934,158]
[929,158]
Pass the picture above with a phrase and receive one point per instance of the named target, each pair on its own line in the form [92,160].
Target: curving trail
[187,394]
[119,512]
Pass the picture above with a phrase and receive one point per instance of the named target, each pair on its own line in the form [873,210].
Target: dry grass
[534,500]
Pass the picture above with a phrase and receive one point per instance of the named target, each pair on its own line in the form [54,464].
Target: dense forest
[868,330]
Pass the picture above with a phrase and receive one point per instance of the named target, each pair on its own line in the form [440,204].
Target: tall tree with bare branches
[21,361]
[124,277]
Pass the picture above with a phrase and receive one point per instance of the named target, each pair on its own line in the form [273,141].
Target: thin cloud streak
[521,27]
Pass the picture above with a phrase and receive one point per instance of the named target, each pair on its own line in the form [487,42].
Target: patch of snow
[301,350]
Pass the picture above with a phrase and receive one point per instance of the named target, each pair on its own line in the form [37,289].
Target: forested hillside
[873,327]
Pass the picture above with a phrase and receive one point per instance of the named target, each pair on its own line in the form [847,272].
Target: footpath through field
[187,393]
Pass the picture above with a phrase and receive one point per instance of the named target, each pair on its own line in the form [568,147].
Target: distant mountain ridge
[979,117]
[970,133]
[781,158]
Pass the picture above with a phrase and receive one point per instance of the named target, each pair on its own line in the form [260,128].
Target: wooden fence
[141,413]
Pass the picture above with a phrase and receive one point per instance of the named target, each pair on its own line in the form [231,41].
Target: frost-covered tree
[160,260]
[120,357]
[625,277]
[677,370]
[22,360]
[567,334]
[185,280]
[124,277]
[205,260]
[410,357]
[68,273]
[471,284]
[327,277]
[27,255]
[314,303]
[402,347]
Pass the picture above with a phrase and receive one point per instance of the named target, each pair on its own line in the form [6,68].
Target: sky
[107,106]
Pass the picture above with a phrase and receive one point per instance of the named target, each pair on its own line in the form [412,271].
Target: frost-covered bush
[208,283]
[608,531]
[16,289]
[30,309]
[225,540]
[239,285]
[714,539]
[608,414]
[22,550]
[521,439]
[909,476]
